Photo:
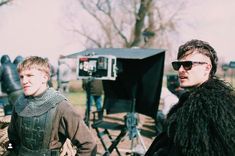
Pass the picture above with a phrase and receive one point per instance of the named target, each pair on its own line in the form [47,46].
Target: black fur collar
[203,122]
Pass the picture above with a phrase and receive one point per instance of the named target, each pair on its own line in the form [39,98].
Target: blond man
[43,119]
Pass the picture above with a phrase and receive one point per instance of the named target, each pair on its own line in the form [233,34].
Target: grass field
[77,95]
[77,98]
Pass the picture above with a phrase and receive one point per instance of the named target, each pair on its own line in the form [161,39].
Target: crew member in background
[10,82]
[64,72]
[94,91]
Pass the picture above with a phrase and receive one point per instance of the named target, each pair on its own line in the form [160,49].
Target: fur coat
[201,124]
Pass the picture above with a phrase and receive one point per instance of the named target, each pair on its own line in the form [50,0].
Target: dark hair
[203,48]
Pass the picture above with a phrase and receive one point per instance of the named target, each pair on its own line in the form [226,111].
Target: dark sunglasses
[187,65]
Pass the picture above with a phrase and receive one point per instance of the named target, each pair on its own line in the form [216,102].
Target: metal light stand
[131,122]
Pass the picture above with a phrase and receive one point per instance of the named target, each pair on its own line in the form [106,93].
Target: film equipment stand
[144,66]
[131,122]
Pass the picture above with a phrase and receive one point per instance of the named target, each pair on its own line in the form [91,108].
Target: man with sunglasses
[203,121]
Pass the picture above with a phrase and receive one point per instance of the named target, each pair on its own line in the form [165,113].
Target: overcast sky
[215,23]
[33,27]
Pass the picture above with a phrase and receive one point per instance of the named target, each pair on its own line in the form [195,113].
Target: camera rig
[136,89]
[101,67]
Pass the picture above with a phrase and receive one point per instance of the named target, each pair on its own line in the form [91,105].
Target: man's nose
[181,68]
[23,80]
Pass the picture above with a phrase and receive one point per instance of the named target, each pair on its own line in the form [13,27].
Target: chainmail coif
[28,106]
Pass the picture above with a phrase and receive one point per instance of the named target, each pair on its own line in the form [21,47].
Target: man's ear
[45,78]
[208,68]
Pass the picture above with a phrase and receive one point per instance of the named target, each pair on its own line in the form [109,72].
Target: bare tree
[3,2]
[122,23]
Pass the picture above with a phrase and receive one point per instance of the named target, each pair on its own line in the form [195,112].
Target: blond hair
[35,62]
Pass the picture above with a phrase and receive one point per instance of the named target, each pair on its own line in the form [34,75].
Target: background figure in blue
[10,82]
[95,87]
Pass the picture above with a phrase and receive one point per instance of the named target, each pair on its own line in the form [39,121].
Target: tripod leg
[132,146]
[135,149]
[141,141]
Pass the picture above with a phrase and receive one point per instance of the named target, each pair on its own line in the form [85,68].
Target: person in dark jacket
[203,121]
[94,91]
[10,81]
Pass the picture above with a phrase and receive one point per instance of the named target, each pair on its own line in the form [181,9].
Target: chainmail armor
[35,106]
[35,120]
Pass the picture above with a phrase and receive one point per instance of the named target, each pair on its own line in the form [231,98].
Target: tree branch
[3,2]
[88,37]
[108,13]
[93,14]
[144,6]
